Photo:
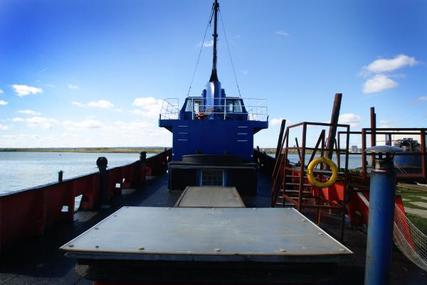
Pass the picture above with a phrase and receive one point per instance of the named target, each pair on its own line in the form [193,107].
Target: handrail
[420,133]
[257,111]
[276,171]
[46,205]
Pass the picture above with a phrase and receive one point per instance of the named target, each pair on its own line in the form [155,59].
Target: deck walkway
[39,261]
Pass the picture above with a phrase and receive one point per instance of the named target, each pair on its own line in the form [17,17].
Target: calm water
[20,170]
[354,161]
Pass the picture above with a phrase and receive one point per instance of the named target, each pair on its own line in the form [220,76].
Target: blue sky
[92,73]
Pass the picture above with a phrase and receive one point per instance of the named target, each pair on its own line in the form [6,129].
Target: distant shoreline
[149,149]
[88,149]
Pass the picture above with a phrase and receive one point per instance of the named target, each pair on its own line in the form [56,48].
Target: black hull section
[202,170]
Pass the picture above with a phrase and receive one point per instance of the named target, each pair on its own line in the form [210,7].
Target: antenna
[214,75]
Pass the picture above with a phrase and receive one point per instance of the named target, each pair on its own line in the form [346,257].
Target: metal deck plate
[205,234]
[210,196]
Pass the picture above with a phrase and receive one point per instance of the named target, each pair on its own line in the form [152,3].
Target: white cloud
[350,119]
[138,112]
[422,98]
[72,86]
[24,90]
[18,120]
[84,124]
[146,102]
[132,126]
[387,65]
[208,44]
[276,121]
[42,122]
[100,104]
[3,103]
[378,83]
[29,112]
[3,127]
[78,104]
[1,91]
[281,33]
[47,123]
[148,107]
[79,134]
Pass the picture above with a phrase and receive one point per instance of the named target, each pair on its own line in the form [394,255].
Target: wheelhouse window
[234,106]
[193,105]
[189,106]
[237,105]
[196,106]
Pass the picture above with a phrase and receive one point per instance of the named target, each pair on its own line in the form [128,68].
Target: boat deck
[39,261]
[207,234]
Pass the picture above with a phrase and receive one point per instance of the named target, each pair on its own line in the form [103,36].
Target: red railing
[31,212]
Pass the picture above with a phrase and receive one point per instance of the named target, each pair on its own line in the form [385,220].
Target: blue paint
[216,128]
[213,137]
[380,227]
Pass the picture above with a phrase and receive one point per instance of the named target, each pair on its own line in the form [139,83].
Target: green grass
[419,222]
[414,193]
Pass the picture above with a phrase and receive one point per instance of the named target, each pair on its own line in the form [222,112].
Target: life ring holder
[310,169]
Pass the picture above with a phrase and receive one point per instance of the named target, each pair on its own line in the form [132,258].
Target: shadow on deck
[38,261]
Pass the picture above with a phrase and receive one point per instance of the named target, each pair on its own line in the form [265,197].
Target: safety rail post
[143,156]
[388,139]
[302,167]
[373,119]
[333,124]
[165,160]
[344,208]
[70,200]
[280,143]
[423,154]
[280,139]
[381,215]
[142,165]
[373,116]
[320,141]
[192,108]
[364,162]
[280,162]
[102,163]
[347,146]
[338,145]
[285,159]
[225,108]
[60,175]
[337,153]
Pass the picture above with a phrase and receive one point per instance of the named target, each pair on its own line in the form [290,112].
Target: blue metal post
[381,215]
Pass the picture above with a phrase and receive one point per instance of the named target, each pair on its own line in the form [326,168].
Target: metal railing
[370,137]
[47,205]
[226,108]
[169,109]
[290,186]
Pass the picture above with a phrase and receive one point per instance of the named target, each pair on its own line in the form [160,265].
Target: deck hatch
[220,234]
